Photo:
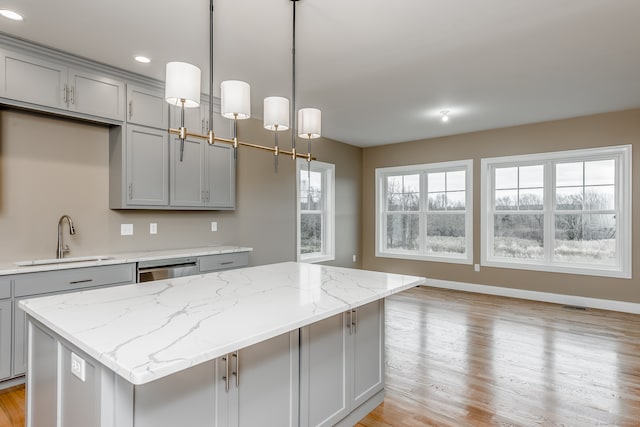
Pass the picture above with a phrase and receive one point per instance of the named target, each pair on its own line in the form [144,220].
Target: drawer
[222,261]
[73,279]
[5,288]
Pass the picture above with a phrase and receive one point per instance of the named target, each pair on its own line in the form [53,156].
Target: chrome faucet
[62,248]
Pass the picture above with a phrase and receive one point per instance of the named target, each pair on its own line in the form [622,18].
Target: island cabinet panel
[79,393]
[42,391]
[342,367]
[5,339]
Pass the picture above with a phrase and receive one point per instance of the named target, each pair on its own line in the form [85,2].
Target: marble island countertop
[150,330]
[9,267]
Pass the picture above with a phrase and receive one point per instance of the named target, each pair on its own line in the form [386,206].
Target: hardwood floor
[463,359]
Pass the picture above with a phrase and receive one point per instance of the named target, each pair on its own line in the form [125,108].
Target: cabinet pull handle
[64,94]
[71,95]
[354,320]
[349,322]
[130,109]
[226,262]
[203,126]
[130,191]
[225,377]
[237,371]
[75,282]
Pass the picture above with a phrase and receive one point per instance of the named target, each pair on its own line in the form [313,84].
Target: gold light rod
[244,144]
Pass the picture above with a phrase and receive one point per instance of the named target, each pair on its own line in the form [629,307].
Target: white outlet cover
[476,267]
[78,366]
[153,228]
[126,229]
[214,226]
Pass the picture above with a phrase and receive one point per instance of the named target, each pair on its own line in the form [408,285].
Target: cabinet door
[324,372]
[368,351]
[33,80]
[221,176]
[192,119]
[147,107]
[267,387]
[147,166]
[19,340]
[96,95]
[5,339]
[188,175]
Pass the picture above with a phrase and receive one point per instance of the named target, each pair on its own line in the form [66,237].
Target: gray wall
[583,132]
[50,166]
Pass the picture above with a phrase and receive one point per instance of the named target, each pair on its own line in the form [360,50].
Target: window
[564,212]
[425,212]
[316,215]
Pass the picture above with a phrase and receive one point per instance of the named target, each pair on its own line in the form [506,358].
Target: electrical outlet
[214,226]
[126,229]
[78,366]
[476,267]
[354,258]
[153,228]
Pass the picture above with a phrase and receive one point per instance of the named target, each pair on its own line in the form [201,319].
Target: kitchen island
[277,345]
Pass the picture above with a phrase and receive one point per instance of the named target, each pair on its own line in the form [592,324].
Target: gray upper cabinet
[39,81]
[192,118]
[147,107]
[221,176]
[147,166]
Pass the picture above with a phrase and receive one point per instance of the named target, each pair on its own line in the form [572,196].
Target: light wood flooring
[462,359]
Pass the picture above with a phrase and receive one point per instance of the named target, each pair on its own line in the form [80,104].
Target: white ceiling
[380,71]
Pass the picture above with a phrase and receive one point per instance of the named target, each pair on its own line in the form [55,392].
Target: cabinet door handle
[349,322]
[64,94]
[130,191]
[237,371]
[71,95]
[226,263]
[203,126]
[354,320]
[130,109]
[75,282]
[225,377]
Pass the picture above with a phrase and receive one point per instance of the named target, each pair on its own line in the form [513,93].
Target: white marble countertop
[8,267]
[150,330]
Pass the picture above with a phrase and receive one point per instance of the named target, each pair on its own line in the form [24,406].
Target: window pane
[532,199]
[519,236]
[569,198]
[600,198]
[569,174]
[446,233]
[531,176]
[507,199]
[456,200]
[437,201]
[600,172]
[304,181]
[394,202]
[411,184]
[456,181]
[411,201]
[403,231]
[304,200]
[316,181]
[435,182]
[394,184]
[310,233]
[506,178]
[585,239]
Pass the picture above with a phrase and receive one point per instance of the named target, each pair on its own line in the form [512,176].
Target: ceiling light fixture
[10,14]
[445,115]
[142,59]
[182,89]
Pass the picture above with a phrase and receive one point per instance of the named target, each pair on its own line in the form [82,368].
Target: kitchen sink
[33,262]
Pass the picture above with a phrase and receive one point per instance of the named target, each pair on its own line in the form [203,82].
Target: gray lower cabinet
[46,283]
[208,263]
[44,82]
[342,366]
[5,339]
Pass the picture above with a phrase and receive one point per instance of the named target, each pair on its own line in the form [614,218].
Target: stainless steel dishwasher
[166,268]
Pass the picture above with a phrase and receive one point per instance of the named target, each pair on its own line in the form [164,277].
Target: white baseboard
[604,304]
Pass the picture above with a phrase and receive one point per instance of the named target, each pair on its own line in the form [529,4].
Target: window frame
[381,175]
[328,252]
[622,196]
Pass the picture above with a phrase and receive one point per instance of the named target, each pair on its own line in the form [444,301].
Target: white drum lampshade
[309,123]
[182,81]
[235,99]
[276,113]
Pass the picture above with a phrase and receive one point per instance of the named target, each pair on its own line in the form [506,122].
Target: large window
[425,212]
[568,211]
[316,217]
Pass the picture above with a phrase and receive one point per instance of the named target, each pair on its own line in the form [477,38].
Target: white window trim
[328,171]
[422,169]
[623,193]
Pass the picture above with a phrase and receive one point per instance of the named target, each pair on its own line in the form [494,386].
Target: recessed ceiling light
[10,14]
[445,115]
[142,59]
